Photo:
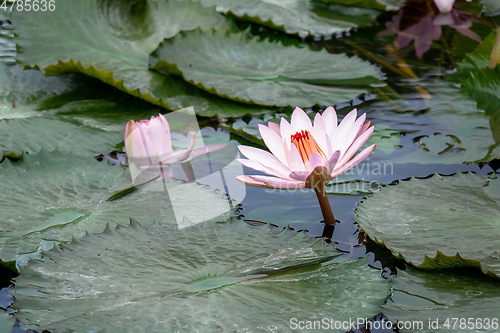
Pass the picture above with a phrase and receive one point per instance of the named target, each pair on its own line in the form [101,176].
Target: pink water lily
[428,27]
[148,145]
[304,155]
[445,6]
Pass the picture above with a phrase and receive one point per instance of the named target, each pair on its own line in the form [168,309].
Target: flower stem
[188,170]
[326,209]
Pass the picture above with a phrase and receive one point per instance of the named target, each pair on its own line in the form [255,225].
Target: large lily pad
[28,123]
[440,222]
[20,91]
[444,301]
[208,278]
[54,197]
[34,134]
[251,70]
[112,40]
[300,17]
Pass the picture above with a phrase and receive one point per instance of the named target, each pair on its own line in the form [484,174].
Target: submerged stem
[326,209]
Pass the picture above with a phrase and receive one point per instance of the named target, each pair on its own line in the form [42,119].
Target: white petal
[356,145]
[330,120]
[252,182]
[319,133]
[252,164]
[360,157]
[265,158]
[286,130]
[300,121]
[275,127]
[347,132]
[296,163]
[274,142]
[279,183]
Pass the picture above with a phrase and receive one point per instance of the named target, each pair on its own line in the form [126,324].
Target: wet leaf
[161,278]
[53,197]
[298,16]
[440,222]
[113,44]
[246,69]
[443,301]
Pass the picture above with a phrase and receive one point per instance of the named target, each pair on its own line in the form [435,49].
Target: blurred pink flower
[149,146]
[428,29]
[445,6]
[304,155]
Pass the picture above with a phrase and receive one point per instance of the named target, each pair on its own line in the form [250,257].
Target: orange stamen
[306,145]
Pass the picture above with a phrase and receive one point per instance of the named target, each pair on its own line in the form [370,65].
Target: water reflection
[422,24]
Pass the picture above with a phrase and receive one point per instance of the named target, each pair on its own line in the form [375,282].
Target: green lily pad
[448,128]
[31,135]
[6,321]
[246,69]
[444,301]
[298,16]
[25,125]
[52,197]
[112,40]
[440,222]
[21,91]
[491,6]
[209,277]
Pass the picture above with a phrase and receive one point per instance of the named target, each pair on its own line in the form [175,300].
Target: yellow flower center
[306,145]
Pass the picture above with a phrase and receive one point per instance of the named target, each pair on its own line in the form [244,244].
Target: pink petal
[315,160]
[470,34]
[299,175]
[128,130]
[330,121]
[403,40]
[346,132]
[164,122]
[266,159]
[159,135]
[286,131]
[274,142]
[360,157]
[259,167]
[295,161]
[275,127]
[249,181]
[425,31]
[300,121]
[332,161]
[356,145]
[279,183]
[444,6]
[364,128]
[319,133]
